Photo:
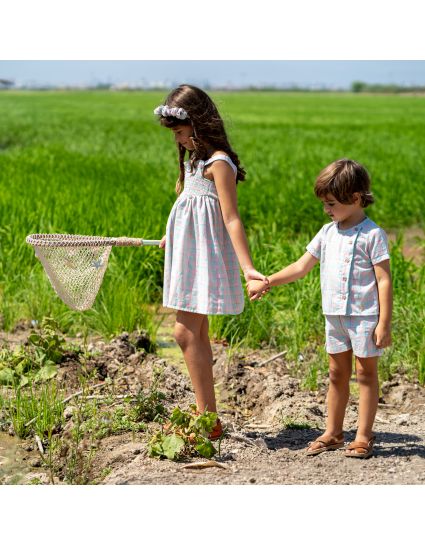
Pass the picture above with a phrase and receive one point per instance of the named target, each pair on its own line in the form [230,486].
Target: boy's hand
[256,288]
[382,335]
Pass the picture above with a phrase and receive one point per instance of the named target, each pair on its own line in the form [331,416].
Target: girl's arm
[382,333]
[292,272]
[224,179]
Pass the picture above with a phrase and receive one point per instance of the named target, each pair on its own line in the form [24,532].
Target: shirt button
[350,242]
[344,297]
[344,278]
[347,260]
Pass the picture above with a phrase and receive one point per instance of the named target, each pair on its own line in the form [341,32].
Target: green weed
[293,424]
[186,434]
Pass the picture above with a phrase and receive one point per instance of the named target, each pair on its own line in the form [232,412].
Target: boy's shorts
[352,332]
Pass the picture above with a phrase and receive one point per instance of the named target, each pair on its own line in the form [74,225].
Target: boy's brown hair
[342,179]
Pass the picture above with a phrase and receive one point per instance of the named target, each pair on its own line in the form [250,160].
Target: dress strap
[222,157]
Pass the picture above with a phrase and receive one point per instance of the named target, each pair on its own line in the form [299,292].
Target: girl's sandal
[334,443]
[366,449]
[216,432]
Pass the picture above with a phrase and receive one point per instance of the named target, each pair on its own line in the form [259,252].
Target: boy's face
[338,211]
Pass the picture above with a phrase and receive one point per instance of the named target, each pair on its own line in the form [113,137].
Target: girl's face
[183,134]
[339,211]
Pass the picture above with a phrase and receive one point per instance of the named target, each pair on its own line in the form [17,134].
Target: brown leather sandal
[333,443]
[366,449]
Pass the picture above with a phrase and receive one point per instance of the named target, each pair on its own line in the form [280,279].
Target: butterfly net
[75,264]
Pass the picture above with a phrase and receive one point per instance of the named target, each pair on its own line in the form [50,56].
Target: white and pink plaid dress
[201,268]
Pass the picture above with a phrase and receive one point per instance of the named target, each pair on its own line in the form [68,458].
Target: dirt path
[260,404]
[260,450]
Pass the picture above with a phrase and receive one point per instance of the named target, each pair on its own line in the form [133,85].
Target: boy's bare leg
[191,333]
[340,368]
[367,378]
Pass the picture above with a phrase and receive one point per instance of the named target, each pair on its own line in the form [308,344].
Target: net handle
[63,240]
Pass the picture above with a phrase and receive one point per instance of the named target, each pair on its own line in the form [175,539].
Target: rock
[38,478]
[134,359]
[252,480]
[68,412]
[261,443]
[112,369]
[35,463]
[402,419]
[142,341]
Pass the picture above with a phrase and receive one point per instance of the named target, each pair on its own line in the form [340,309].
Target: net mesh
[75,264]
[75,272]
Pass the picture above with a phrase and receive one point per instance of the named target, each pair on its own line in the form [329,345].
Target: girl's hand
[256,288]
[382,335]
[252,274]
[162,243]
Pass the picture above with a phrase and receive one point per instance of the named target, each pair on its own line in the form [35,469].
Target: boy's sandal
[360,449]
[322,445]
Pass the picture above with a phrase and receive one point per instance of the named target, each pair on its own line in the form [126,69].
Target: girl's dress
[201,268]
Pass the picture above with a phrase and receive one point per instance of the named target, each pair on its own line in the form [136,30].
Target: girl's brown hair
[342,179]
[208,128]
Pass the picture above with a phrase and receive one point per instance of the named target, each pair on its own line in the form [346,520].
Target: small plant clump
[292,424]
[148,406]
[185,434]
[35,361]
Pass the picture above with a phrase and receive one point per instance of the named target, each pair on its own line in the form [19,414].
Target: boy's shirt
[347,257]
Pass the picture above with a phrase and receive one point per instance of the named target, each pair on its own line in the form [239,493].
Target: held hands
[257,288]
[254,280]
[382,335]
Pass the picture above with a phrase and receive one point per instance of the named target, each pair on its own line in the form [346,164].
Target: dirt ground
[259,450]
[258,404]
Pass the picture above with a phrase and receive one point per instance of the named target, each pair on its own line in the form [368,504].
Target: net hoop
[64,240]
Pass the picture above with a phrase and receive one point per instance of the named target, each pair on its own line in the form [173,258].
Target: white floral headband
[166,111]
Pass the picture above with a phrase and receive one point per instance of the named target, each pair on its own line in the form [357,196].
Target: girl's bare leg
[191,333]
[367,378]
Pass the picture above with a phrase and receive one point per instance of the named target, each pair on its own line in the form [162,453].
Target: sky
[304,73]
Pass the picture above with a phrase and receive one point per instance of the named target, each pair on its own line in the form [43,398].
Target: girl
[205,238]
[356,299]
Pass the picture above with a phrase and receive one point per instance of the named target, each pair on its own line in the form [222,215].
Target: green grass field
[99,163]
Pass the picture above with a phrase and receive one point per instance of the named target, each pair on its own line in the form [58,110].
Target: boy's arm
[292,272]
[382,335]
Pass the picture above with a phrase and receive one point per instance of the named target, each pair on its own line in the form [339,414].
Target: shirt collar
[354,229]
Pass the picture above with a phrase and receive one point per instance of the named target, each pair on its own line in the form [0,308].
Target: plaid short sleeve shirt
[347,257]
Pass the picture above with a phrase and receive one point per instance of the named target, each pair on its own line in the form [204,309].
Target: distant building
[6,83]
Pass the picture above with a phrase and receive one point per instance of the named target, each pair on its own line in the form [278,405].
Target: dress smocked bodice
[195,184]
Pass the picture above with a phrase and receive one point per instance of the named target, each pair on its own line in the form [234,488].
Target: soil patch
[269,418]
